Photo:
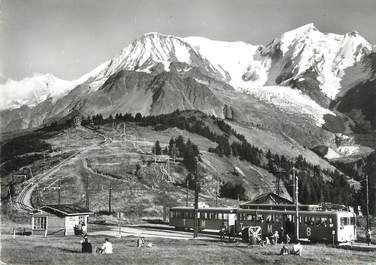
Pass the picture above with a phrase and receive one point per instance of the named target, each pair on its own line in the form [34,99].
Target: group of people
[280,237]
[86,246]
[295,250]
[142,243]
[80,228]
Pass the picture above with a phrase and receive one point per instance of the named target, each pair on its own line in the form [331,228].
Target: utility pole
[195,231]
[155,154]
[367,205]
[59,192]
[174,151]
[44,160]
[87,193]
[109,198]
[31,172]
[216,194]
[187,195]
[296,186]
[68,136]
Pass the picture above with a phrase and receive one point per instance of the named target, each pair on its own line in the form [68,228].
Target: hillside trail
[23,200]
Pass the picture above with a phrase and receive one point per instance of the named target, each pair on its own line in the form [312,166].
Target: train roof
[211,209]
[265,211]
[309,212]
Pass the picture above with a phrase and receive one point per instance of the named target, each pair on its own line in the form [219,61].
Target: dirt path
[23,200]
[159,231]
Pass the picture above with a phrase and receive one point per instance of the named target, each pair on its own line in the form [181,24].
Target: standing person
[368,237]
[275,237]
[106,247]
[281,235]
[222,231]
[288,239]
[86,245]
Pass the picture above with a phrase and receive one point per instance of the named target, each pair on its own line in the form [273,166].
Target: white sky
[70,37]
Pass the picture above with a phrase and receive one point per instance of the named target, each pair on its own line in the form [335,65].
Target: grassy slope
[66,250]
[143,194]
[279,143]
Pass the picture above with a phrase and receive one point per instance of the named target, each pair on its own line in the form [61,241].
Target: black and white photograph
[210,132]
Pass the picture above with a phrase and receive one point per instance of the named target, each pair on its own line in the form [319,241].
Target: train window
[324,221]
[268,218]
[352,220]
[220,216]
[309,220]
[346,221]
[330,221]
[289,218]
[260,218]
[213,216]
[250,217]
[204,215]
[342,221]
[225,216]
[278,218]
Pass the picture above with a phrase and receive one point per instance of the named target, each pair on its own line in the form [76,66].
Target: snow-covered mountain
[300,72]
[326,54]
[32,90]
[239,63]
[153,52]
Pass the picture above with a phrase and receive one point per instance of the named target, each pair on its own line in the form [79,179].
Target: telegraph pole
[216,195]
[367,205]
[109,198]
[187,193]
[59,192]
[87,192]
[195,231]
[174,151]
[296,186]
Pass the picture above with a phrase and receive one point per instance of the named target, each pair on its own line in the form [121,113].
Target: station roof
[269,198]
[66,210]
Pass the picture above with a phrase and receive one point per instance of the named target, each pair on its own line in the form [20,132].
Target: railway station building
[269,198]
[63,219]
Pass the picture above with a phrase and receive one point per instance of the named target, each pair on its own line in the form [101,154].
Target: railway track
[23,200]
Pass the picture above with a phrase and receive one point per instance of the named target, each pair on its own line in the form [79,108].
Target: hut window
[40,222]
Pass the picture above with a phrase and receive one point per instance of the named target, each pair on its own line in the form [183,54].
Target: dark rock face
[359,103]
[228,112]
[321,150]
[125,91]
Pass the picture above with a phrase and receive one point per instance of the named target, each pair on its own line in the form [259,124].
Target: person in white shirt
[297,249]
[106,247]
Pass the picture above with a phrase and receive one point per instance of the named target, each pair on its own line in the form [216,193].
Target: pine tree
[138,117]
[189,159]
[157,148]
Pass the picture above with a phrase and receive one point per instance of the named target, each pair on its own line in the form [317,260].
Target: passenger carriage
[313,225]
[208,218]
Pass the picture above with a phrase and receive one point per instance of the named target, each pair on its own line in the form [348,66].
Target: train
[314,225]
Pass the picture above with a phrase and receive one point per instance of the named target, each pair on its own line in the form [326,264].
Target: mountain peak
[308,27]
[303,30]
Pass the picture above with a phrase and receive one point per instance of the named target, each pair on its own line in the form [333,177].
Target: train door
[289,225]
